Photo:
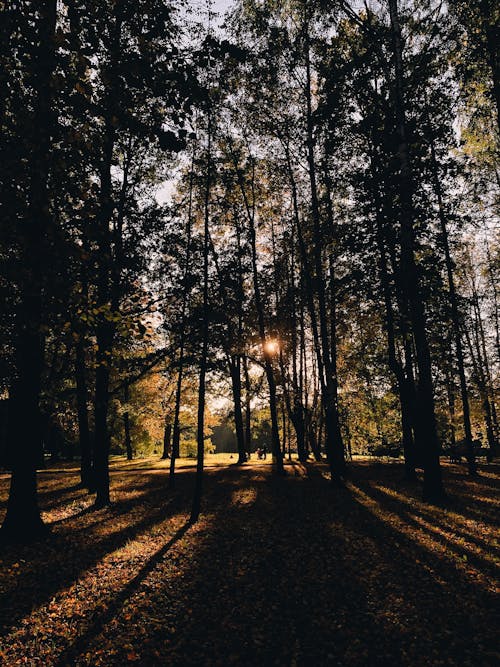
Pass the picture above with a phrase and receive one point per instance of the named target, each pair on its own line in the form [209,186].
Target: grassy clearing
[278,571]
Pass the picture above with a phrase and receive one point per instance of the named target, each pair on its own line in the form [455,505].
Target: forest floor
[278,571]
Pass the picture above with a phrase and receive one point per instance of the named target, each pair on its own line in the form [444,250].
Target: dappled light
[249,333]
[134,587]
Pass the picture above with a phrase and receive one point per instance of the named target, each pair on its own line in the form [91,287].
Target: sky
[220,6]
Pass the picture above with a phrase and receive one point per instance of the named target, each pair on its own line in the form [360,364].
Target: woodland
[249,332]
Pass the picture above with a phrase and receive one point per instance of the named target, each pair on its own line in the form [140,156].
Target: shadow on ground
[279,571]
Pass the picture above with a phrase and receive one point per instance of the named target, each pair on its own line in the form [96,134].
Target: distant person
[264,452]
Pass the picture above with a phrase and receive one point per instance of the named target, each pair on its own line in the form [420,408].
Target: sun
[271,346]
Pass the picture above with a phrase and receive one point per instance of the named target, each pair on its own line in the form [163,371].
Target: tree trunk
[433,486]
[492,34]
[126,426]
[83,415]
[248,411]
[105,328]
[200,454]
[395,364]
[494,289]
[167,437]
[23,521]
[235,372]
[185,299]
[298,407]
[481,385]
[268,364]
[334,443]
[464,395]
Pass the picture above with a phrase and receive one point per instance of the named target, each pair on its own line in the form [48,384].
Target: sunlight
[437,539]
[271,346]
[244,496]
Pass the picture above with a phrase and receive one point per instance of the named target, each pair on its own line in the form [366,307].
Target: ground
[278,571]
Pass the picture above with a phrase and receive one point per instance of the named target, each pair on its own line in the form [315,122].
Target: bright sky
[220,6]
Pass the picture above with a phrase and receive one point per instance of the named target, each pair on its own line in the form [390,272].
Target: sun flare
[271,346]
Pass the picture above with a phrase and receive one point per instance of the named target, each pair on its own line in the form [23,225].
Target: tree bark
[433,490]
[23,521]
[83,415]
[104,328]
[334,443]
[167,437]
[235,373]
[248,409]
[455,318]
[268,364]
[126,426]
[200,453]
[185,299]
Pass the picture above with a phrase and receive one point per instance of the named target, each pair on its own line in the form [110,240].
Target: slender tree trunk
[450,393]
[126,426]
[185,301]
[464,395]
[315,443]
[296,412]
[105,328]
[23,521]
[309,290]
[494,289]
[394,363]
[235,372]
[200,454]
[492,34]
[482,351]
[268,361]
[248,411]
[479,376]
[433,486]
[83,415]
[334,443]
[167,437]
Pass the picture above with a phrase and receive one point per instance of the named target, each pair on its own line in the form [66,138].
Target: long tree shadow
[296,571]
[292,571]
[400,502]
[100,620]
[391,506]
[48,567]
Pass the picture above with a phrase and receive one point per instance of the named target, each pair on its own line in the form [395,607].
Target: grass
[279,571]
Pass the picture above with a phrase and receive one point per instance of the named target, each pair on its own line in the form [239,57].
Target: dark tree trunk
[494,289]
[309,291]
[105,328]
[248,410]
[334,443]
[23,521]
[395,364]
[433,486]
[200,453]
[482,352]
[450,393]
[268,361]
[167,439]
[185,299]
[235,372]
[83,415]
[491,31]
[464,395]
[126,426]
[477,363]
